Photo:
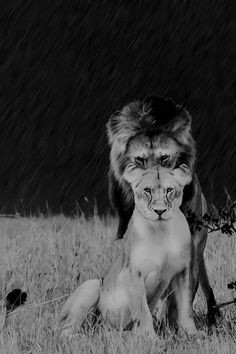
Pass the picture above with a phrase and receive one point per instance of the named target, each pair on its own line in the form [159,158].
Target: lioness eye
[147,190]
[169,190]
[139,160]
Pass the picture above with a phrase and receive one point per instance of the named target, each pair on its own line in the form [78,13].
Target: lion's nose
[160,212]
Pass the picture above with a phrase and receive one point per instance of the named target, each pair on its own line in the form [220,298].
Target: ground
[49,257]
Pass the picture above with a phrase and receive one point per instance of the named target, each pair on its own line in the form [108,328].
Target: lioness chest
[161,251]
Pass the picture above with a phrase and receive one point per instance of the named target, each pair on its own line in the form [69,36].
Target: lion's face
[150,132]
[158,192]
[158,150]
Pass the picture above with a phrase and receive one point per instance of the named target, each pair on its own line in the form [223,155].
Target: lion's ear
[113,126]
[124,124]
[180,127]
[182,175]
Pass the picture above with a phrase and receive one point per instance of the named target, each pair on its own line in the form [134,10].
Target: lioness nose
[160,212]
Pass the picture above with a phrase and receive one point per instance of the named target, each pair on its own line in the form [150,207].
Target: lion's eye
[147,190]
[169,190]
[140,161]
[165,158]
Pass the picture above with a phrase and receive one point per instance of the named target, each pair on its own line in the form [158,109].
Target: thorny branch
[223,219]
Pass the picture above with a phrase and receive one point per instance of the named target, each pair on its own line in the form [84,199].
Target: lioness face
[159,191]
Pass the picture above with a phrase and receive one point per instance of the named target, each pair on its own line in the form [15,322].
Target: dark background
[65,66]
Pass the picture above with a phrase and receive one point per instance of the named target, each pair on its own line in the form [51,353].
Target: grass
[49,257]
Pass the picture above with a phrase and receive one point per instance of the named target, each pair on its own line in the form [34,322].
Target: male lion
[155,258]
[150,133]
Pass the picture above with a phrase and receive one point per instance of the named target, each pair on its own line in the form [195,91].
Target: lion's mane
[150,117]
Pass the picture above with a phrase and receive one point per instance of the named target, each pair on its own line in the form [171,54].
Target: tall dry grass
[48,258]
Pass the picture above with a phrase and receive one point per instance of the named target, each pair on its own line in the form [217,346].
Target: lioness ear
[182,174]
[130,173]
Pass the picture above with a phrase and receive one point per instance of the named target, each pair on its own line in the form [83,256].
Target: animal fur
[153,132]
[154,116]
[155,259]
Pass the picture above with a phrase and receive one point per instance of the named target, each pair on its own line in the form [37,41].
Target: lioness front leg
[145,323]
[139,306]
[156,301]
[78,306]
[183,299]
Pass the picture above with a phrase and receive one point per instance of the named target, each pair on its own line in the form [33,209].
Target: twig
[223,304]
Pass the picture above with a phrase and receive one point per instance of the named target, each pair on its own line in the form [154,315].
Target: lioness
[156,256]
[150,133]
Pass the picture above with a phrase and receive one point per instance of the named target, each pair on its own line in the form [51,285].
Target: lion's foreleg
[183,299]
[200,274]
[208,292]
